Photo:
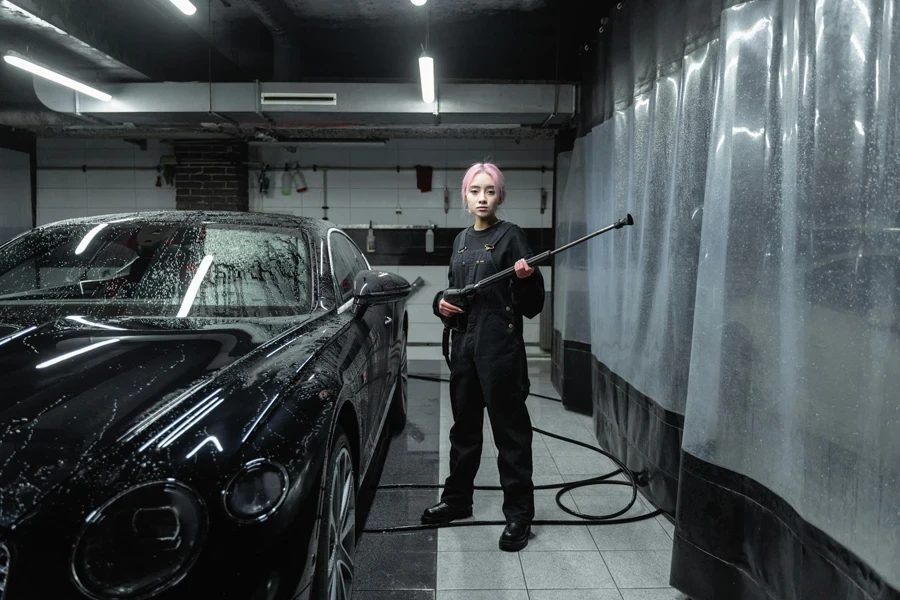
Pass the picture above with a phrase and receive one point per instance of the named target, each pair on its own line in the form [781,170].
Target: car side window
[346,261]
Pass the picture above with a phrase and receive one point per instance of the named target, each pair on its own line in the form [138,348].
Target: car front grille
[4,568]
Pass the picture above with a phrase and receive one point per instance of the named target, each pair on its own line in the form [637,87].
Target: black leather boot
[444,513]
[515,536]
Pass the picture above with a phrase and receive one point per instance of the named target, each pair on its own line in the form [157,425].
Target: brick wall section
[211,175]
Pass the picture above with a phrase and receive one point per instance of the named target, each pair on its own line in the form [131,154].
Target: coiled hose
[609,519]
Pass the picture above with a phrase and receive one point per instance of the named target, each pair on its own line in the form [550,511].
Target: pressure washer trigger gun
[460,298]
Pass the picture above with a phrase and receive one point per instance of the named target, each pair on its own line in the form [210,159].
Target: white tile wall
[358,196]
[377,195]
[64,194]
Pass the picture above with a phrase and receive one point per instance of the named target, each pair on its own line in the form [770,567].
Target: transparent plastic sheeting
[758,292]
[795,362]
[649,160]
[571,302]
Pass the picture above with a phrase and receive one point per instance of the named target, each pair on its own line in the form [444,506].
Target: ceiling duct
[318,104]
[280,19]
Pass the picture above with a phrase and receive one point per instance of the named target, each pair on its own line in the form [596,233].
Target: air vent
[297,99]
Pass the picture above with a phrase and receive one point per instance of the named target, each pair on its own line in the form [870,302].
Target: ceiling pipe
[281,20]
[275,15]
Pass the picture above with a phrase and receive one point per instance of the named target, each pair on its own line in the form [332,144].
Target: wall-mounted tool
[168,164]
[299,179]
[264,180]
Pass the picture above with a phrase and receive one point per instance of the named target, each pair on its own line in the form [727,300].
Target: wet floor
[601,562]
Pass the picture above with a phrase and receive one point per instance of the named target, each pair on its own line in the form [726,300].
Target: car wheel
[399,402]
[337,540]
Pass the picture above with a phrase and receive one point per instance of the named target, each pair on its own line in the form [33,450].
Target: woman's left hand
[523,270]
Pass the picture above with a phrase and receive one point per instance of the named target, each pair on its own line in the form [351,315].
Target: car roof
[197,217]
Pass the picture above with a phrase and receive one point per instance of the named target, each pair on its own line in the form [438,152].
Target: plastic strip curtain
[758,294]
[795,362]
[649,159]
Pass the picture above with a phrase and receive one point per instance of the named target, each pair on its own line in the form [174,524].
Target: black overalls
[489,369]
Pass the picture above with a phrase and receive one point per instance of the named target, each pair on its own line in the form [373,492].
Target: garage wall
[354,196]
[360,196]
[15,193]
[64,192]
[389,198]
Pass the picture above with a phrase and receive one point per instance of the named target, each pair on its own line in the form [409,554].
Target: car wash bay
[738,347]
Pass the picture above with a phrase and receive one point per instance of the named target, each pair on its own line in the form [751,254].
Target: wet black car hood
[74,385]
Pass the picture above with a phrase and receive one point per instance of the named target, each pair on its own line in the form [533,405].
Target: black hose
[609,519]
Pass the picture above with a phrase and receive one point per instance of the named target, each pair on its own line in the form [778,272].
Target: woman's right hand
[447,309]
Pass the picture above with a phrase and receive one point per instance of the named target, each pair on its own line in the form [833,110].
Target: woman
[488,367]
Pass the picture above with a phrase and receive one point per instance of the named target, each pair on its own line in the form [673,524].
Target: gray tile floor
[600,562]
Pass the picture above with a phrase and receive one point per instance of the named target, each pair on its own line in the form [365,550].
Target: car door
[375,331]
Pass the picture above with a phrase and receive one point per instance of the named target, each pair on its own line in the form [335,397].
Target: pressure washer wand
[545,255]
[460,297]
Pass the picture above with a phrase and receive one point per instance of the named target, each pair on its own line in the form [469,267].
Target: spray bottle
[429,239]
[370,239]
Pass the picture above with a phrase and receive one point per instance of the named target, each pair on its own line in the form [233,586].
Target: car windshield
[164,269]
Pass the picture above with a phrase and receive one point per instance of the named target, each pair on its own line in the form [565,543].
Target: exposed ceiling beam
[139,39]
[21,28]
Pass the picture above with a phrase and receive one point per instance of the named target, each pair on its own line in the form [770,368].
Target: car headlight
[256,491]
[141,542]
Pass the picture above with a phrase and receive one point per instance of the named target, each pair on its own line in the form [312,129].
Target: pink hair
[492,170]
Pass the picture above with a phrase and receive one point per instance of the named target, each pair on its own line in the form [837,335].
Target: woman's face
[482,197]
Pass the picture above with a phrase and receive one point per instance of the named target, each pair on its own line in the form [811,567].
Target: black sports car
[189,403]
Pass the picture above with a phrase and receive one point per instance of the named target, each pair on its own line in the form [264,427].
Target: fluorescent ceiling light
[18,61]
[419,2]
[185,6]
[426,72]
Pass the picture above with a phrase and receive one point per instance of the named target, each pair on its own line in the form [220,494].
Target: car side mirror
[379,287]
